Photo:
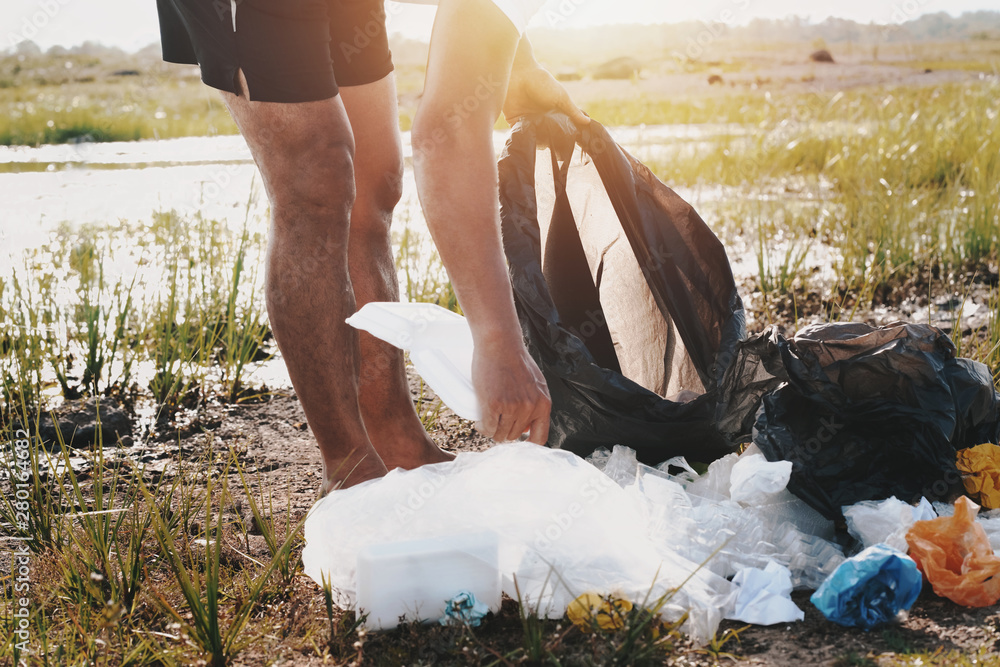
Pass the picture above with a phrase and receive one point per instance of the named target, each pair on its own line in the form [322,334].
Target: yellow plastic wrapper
[980,466]
[590,607]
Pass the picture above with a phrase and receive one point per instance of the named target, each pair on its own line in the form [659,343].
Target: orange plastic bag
[956,557]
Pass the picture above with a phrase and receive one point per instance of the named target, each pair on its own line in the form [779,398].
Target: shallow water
[213,176]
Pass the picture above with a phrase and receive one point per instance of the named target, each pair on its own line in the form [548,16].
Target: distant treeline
[728,23]
[895,27]
[90,49]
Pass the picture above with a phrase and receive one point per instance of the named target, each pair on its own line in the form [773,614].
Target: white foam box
[414,579]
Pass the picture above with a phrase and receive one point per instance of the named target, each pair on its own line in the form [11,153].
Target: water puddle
[104,182]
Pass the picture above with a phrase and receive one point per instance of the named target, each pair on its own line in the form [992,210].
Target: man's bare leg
[305,153]
[386,405]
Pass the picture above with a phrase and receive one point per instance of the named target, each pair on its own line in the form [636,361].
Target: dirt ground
[933,624]
[779,77]
[780,74]
[276,442]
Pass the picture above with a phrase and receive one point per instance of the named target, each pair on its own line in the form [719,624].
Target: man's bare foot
[410,459]
[350,472]
[408,450]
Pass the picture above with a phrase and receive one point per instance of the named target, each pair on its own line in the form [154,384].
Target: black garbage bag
[869,413]
[626,299]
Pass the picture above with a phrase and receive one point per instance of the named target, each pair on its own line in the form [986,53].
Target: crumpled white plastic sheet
[764,596]
[886,521]
[754,480]
[702,522]
[990,521]
[565,528]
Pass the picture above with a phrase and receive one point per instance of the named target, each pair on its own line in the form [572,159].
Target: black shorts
[289,50]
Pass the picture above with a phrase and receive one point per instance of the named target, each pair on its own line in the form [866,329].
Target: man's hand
[532,89]
[512,393]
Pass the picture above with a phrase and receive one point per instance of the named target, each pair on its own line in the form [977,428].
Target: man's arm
[472,51]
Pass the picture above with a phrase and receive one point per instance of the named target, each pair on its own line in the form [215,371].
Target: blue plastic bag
[870,588]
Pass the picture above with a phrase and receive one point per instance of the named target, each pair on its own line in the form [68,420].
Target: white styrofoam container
[414,579]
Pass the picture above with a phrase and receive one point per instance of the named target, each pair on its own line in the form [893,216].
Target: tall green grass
[128,569]
[893,181]
[160,104]
[200,576]
[173,308]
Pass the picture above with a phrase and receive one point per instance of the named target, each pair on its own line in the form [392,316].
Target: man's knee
[318,180]
[377,196]
[380,187]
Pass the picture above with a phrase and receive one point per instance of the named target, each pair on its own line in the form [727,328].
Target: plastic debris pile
[955,555]
[587,538]
[464,609]
[981,468]
[738,515]
[874,522]
[564,529]
[732,543]
[873,412]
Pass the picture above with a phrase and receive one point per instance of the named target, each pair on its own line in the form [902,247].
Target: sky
[131,24]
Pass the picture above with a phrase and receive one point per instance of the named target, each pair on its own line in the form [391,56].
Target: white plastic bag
[699,520]
[440,346]
[564,528]
[885,521]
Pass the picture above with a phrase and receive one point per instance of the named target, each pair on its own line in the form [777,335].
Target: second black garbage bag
[872,412]
[626,298]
